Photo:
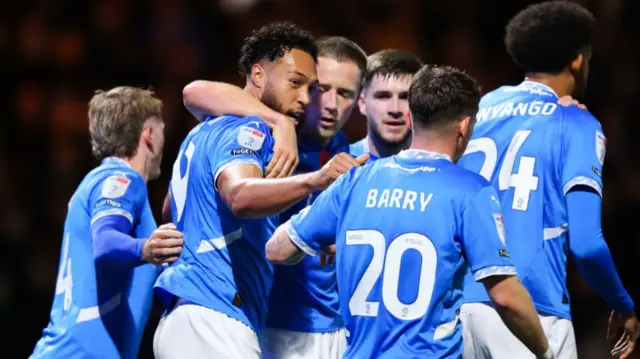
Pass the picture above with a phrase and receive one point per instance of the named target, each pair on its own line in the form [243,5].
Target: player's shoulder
[114,181]
[465,180]
[575,118]
[359,147]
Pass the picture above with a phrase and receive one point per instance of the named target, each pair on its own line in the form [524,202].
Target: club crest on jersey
[250,138]
[497,217]
[115,186]
[601,147]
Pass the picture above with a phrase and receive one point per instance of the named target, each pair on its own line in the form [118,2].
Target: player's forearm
[113,246]
[280,249]
[514,304]
[205,98]
[591,252]
[259,197]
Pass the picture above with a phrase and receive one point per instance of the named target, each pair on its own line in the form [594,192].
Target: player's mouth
[298,116]
[327,122]
[395,125]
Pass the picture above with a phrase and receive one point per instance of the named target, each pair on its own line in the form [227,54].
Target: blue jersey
[100,311]
[223,264]
[405,228]
[533,151]
[359,148]
[304,297]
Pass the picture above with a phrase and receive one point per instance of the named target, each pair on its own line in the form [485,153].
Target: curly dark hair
[272,41]
[440,95]
[546,37]
[391,62]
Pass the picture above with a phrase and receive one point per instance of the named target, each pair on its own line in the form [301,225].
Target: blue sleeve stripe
[582,181]
[112,212]
[295,238]
[235,162]
[483,273]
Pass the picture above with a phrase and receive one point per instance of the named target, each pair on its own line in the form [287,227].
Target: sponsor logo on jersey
[242,151]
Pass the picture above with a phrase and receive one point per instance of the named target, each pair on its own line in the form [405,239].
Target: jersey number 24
[523,181]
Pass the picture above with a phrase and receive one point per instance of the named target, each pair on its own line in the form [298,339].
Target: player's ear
[465,126]
[576,64]
[258,76]
[361,104]
[408,120]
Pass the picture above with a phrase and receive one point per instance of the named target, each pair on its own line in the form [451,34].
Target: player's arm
[483,242]
[309,231]
[249,195]
[166,208]
[583,159]
[116,205]
[206,98]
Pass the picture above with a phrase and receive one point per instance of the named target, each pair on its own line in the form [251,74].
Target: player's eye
[295,82]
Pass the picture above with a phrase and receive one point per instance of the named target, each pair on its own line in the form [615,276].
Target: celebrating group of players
[451,220]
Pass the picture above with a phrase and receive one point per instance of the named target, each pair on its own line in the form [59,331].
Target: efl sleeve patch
[115,186]
[250,138]
[601,147]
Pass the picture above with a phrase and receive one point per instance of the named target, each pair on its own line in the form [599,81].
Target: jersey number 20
[386,261]
[523,181]
[178,182]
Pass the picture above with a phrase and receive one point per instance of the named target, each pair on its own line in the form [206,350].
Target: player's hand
[285,150]
[328,256]
[567,101]
[338,165]
[164,245]
[631,329]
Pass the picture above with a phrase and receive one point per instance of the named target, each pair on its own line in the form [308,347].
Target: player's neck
[560,83]
[433,142]
[139,164]
[382,149]
[252,90]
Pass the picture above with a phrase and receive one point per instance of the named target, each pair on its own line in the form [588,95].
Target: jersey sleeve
[583,151]
[315,227]
[483,237]
[120,193]
[250,142]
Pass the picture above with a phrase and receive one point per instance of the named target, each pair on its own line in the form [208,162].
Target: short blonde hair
[117,117]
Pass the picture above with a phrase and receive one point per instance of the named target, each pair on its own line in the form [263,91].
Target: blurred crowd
[55,53]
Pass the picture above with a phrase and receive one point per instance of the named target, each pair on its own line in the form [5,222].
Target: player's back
[518,145]
[100,310]
[223,265]
[400,265]
[304,297]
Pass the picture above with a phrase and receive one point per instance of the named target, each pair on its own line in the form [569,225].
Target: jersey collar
[423,155]
[532,84]
[116,160]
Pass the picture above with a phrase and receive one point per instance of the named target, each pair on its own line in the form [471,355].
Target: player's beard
[269,99]
[395,143]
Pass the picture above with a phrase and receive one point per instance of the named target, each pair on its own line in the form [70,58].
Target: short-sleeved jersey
[304,297]
[100,310]
[405,228]
[533,151]
[223,264]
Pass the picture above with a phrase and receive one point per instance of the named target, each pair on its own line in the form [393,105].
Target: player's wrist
[275,119]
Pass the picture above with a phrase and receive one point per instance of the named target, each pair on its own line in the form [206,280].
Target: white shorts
[486,336]
[194,332]
[285,344]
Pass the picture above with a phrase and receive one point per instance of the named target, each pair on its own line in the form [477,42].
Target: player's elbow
[504,291]
[192,91]
[238,202]
[590,251]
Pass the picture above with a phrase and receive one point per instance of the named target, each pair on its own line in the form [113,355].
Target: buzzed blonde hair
[117,117]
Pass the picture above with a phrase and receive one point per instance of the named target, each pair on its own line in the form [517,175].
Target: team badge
[601,147]
[250,138]
[115,186]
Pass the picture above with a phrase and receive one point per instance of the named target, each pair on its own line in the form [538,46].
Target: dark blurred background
[54,54]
